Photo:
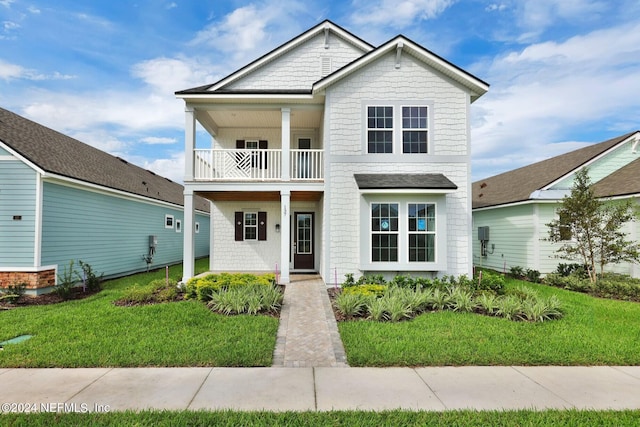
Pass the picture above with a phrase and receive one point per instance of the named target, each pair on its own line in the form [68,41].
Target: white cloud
[172,168]
[250,31]
[102,140]
[171,5]
[168,75]
[7,3]
[399,14]
[155,140]
[547,90]
[10,71]
[34,10]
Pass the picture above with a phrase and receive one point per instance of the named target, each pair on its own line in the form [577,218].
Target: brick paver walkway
[308,334]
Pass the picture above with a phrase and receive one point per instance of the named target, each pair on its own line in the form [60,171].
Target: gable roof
[517,185]
[403,45]
[56,153]
[324,26]
[623,182]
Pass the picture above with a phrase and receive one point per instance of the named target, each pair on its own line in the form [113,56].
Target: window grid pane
[251,226]
[414,129]
[422,227]
[380,129]
[384,227]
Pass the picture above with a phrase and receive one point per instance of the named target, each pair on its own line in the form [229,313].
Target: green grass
[350,418]
[95,333]
[593,332]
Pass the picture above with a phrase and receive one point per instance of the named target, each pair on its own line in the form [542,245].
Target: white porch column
[189,141]
[285,235]
[286,143]
[188,257]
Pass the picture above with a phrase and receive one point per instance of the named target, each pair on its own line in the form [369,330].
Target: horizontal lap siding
[511,230]
[110,233]
[17,198]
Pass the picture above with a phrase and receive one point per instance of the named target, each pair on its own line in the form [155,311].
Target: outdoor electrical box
[153,243]
[483,234]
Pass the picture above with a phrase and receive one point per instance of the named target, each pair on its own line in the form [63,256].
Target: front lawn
[593,331]
[347,418]
[93,332]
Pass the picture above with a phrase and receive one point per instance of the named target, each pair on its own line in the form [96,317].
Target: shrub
[250,299]
[350,304]
[366,290]
[509,307]
[574,268]
[516,271]
[461,300]
[202,288]
[532,275]
[89,277]
[348,281]
[66,282]
[487,303]
[156,291]
[439,299]
[377,309]
[397,308]
[490,281]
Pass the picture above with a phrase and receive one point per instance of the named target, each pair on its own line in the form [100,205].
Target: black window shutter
[240,143]
[263,145]
[239,223]
[262,226]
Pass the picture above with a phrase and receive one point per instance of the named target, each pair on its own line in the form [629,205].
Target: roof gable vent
[325,66]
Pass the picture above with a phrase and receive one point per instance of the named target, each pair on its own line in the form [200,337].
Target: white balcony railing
[256,165]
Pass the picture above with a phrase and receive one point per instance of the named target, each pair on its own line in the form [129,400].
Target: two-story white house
[334,156]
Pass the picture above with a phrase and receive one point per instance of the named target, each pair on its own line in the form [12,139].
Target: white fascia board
[309,34]
[594,159]
[549,194]
[405,191]
[195,98]
[508,205]
[23,159]
[474,85]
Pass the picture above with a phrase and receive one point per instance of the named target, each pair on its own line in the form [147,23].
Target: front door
[303,241]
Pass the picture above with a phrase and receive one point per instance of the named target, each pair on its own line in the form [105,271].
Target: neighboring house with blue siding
[334,156]
[62,200]
[513,208]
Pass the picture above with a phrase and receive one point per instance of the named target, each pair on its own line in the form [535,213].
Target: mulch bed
[45,299]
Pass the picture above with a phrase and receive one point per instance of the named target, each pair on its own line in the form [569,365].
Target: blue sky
[563,73]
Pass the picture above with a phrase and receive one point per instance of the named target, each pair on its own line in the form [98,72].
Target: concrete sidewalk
[320,389]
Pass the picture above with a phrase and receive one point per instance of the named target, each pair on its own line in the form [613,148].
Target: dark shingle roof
[517,185]
[62,155]
[622,182]
[426,181]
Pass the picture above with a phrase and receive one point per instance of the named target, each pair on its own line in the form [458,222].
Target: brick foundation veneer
[34,280]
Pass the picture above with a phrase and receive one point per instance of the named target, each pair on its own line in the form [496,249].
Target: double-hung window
[414,129]
[388,126]
[422,232]
[384,232]
[250,226]
[380,129]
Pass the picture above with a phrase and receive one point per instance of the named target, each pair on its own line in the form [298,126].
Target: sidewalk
[321,389]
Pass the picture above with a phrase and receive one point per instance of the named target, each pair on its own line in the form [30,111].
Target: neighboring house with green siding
[511,210]
[62,200]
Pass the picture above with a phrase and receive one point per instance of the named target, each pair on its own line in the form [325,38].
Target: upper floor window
[414,129]
[410,126]
[380,129]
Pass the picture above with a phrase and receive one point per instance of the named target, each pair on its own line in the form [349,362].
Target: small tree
[594,227]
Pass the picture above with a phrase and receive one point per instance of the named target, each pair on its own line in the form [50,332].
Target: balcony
[257,165]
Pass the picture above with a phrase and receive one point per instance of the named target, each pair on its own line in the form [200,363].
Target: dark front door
[303,241]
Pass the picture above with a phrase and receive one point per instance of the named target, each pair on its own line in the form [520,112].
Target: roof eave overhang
[323,27]
[407,190]
[476,87]
[244,97]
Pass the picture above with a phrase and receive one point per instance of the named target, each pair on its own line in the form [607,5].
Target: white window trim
[197,227]
[397,148]
[425,232]
[178,226]
[245,226]
[169,221]
[396,232]
[402,128]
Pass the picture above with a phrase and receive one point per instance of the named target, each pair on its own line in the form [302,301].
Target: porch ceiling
[259,196]
[261,118]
